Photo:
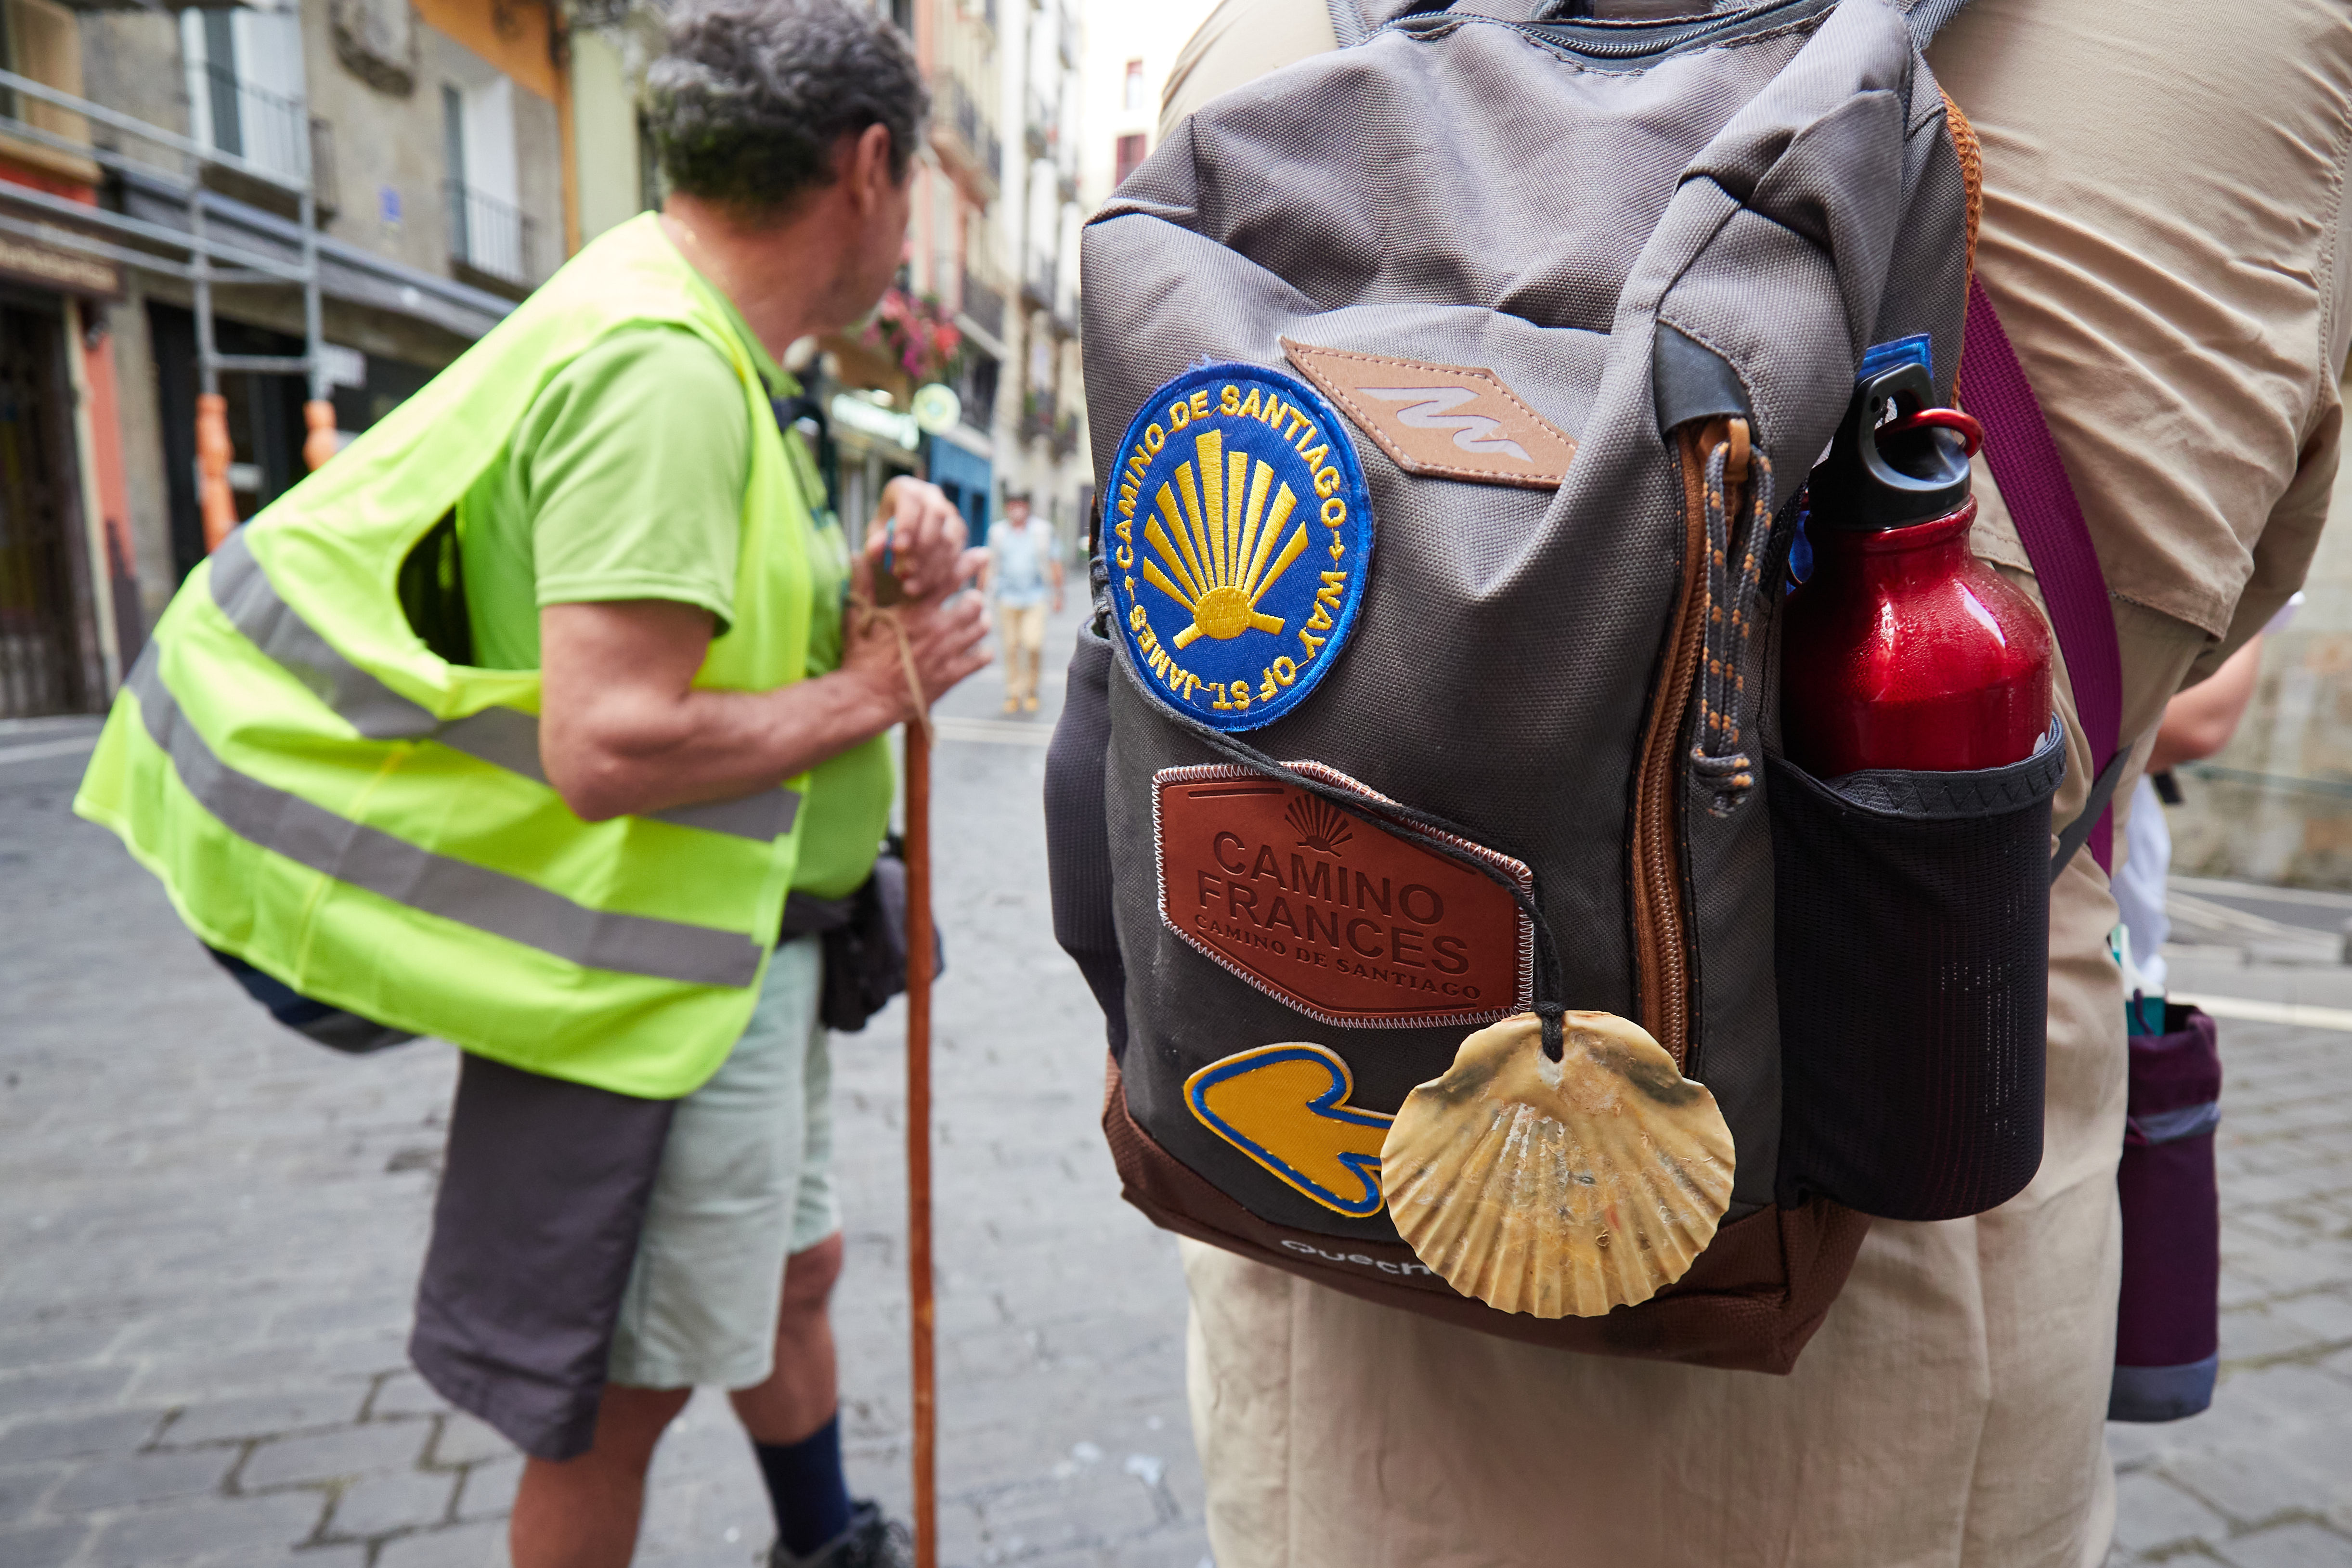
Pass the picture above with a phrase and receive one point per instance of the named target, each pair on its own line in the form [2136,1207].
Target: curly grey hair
[750,98]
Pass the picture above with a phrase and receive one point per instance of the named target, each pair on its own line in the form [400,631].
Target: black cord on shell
[1555,1043]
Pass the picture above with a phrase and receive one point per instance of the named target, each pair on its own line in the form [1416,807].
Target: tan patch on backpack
[1455,422]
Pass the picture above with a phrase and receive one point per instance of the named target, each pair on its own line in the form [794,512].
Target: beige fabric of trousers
[1021,643]
[2164,217]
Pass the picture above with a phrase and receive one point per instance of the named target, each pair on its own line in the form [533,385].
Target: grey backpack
[1453,395]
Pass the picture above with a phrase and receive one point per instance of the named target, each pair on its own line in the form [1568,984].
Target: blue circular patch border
[1176,676]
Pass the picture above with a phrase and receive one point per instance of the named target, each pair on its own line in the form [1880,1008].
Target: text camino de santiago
[1220,590]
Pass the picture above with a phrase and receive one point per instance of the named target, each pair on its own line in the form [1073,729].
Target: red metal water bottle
[1903,650]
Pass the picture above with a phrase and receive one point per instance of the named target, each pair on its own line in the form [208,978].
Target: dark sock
[805,1484]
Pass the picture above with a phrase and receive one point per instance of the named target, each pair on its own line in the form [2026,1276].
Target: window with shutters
[1130,153]
[246,89]
[42,41]
[488,231]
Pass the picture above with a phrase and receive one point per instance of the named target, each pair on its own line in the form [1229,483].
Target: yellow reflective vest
[326,798]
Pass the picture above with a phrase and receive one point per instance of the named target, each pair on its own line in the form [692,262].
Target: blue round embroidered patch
[1239,535]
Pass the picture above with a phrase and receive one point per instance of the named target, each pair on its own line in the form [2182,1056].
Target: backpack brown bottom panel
[1749,1302]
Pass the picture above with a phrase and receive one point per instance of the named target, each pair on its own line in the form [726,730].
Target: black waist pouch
[865,942]
[1913,959]
[331,1026]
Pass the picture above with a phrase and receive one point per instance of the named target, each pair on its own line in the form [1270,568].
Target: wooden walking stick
[919,1137]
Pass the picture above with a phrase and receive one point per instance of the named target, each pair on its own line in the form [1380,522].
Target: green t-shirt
[624,479]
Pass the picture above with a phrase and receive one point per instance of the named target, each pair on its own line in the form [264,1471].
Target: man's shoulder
[654,359]
[657,389]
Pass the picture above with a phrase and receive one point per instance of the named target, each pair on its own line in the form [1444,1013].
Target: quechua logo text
[1240,538]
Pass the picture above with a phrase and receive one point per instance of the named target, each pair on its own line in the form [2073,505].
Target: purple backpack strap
[2032,478]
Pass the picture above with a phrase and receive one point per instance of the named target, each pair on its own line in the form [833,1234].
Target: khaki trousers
[1021,642]
[2164,215]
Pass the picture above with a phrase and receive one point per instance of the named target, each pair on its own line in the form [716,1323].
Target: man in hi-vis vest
[517,722]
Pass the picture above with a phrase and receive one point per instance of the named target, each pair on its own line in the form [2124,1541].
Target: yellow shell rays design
[1212,553]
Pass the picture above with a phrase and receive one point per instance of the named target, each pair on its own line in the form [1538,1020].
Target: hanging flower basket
[918,333]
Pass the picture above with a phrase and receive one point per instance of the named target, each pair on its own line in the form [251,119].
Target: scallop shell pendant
[1558,1190]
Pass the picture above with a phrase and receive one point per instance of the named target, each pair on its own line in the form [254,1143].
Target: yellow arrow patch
[1286,1106]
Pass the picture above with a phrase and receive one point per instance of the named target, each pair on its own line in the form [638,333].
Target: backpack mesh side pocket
[1913,937]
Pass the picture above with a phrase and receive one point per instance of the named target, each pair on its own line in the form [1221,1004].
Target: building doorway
[46,665]
[265,422]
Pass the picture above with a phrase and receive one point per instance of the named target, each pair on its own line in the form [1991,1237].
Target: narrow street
[211,1229]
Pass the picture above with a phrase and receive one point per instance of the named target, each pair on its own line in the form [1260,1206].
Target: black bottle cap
[1874,480]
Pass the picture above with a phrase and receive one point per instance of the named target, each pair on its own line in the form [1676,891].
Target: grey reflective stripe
[244,592]
[438,885]
[2189,1121]
[501,737]
[765,815]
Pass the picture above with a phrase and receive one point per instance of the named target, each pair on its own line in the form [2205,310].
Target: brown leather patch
[1332,913]
[1458,422]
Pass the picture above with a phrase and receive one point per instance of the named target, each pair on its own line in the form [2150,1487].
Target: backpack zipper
[1661,949]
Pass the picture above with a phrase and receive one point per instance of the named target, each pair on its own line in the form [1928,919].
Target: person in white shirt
[1024,574]
[2197,723]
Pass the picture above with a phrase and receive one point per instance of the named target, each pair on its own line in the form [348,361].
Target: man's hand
[624,731]
[925,536]
[943,635]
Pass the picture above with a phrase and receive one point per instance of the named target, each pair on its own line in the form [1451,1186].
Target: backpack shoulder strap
[1927,17]
[2032,478]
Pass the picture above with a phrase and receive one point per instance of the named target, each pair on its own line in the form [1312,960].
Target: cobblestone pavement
[209,1232]
[210,1229]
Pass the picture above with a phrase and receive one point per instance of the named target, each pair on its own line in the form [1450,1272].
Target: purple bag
[2168,1321]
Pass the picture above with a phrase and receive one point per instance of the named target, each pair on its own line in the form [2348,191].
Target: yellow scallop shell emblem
[1559,1189]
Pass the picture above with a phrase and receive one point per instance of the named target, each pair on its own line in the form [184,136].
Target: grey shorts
[581,1234]
[746,1180]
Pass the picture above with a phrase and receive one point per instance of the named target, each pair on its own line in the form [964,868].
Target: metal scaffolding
[192,255]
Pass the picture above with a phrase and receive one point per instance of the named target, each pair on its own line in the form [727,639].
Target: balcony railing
[488,234]
[1043,127]
[985,304]
[978,384]
[974,129]
[1043,418]
[1037,412]
[254,123]
[1037,285]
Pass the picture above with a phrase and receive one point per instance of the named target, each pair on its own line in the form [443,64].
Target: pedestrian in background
[563,804]
[1025,573]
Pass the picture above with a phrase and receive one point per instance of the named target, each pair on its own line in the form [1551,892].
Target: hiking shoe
[870,1541]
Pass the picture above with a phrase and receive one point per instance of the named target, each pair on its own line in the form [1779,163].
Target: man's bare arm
[2201,721]
[623,730]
